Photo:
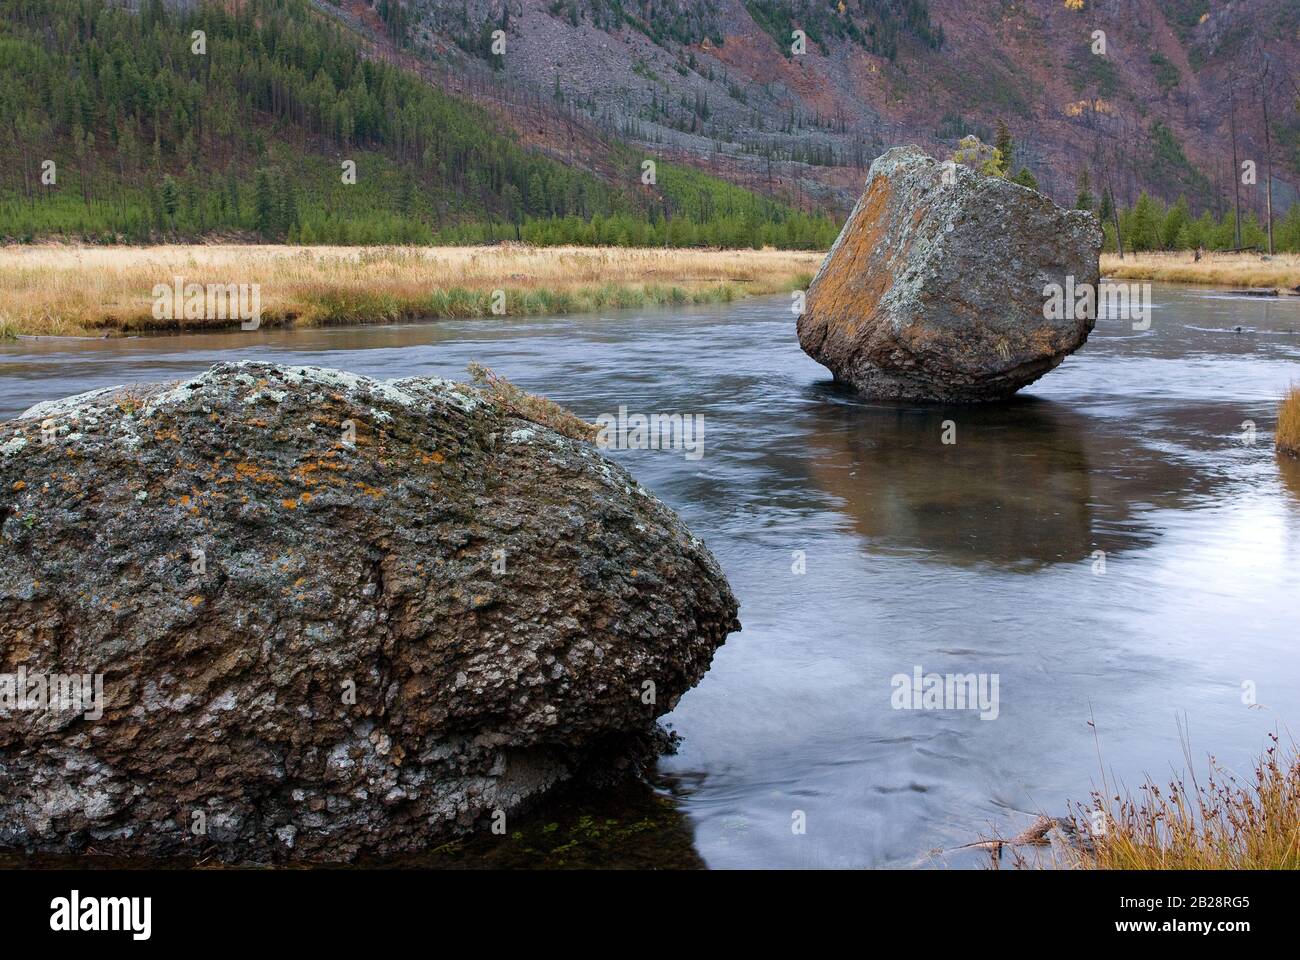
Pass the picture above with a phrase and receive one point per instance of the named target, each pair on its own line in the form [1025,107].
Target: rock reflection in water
[1013,490]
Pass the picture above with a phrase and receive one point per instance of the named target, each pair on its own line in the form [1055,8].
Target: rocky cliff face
[937,287]
[332,616]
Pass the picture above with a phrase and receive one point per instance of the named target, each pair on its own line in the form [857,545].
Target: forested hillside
[243,120]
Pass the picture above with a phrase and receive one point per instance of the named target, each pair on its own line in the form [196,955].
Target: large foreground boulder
[934,290]
[331,616]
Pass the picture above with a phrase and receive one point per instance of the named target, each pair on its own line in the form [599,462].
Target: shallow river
[978,557]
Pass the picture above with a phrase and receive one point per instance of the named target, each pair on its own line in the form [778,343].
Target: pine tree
[1085,199]
[288,206]
[264,205]
[170,198]
[1006,147]
[1144,223]
[232,189]
[1175,220]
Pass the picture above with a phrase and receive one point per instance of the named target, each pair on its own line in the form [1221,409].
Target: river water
[975,557]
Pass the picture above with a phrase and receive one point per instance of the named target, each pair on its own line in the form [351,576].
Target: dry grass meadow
[58,290]
[1244,270]
[74,291]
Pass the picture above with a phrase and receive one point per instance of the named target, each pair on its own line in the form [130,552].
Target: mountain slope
[714,82]
[122,128]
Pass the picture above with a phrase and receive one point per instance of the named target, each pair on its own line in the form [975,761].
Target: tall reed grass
[1288,423]
[1227,822]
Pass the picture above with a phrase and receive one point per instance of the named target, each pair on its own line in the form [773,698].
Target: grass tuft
[1223,824]
[1288,423]
[529,406]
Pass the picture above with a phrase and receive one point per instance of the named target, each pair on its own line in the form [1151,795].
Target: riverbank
[1241,270]
[80,291]
[65,290]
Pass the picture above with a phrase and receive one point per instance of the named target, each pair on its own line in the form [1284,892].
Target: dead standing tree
[1236,170]
[1265,92]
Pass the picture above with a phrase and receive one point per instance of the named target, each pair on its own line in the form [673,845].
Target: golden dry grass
[1226,823]
[1214,269]
[67,290]
[530,406]
[1288,423]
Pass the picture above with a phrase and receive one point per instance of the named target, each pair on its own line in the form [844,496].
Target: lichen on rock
[334,616]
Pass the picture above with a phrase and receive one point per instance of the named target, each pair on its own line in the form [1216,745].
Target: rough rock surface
[934,290]
[327,564]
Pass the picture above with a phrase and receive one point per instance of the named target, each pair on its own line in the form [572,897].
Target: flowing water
[975,557]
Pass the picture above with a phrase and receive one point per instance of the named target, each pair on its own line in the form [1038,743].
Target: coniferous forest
[120,131]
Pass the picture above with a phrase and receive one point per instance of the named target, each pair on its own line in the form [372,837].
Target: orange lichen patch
[305,498]
[185,500]
[432,458]
[858,278]
[289,504]
[196,600]
[309,473]
[20,485]
[251,471]
[172,434]
[369,491]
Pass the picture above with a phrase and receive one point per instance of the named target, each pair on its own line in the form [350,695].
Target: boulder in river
[936,289]
[332,616]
